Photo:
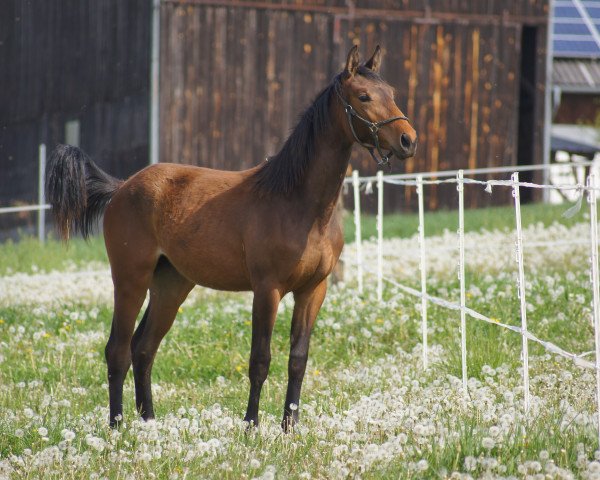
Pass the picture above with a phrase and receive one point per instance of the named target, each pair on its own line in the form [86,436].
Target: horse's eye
[363,97]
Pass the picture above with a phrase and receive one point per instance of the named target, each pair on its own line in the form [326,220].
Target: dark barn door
[527,106]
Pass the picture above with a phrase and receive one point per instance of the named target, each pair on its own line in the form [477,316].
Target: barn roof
[577,75]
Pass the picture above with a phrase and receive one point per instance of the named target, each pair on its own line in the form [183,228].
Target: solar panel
[576,48]
[566,12]
[571,29]
[594,12]
[576,28]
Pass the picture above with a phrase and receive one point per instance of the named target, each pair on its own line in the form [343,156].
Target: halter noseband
[372,126]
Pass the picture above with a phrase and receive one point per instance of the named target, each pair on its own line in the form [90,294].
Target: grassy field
[28,255]
[368,409]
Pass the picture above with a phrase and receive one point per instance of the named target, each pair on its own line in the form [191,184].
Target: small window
[72,132]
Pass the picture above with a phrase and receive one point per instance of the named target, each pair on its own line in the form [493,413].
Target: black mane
[283,172]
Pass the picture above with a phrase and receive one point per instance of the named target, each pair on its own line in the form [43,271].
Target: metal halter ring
[372,126]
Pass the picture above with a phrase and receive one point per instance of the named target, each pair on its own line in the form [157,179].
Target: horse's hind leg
[129,297]
[167,292]
[133,258]
[306,307]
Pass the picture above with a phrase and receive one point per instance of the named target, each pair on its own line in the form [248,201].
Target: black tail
[77,190]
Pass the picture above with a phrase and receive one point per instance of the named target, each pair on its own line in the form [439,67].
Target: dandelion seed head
[488,443]
[594,467]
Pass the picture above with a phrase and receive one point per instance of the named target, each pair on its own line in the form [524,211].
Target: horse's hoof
[116,422]
[251,425]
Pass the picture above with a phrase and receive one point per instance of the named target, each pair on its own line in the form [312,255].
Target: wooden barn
[235,75]
[71,71]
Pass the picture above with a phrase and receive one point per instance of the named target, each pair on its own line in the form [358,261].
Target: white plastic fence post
[591,183]
[357,230]
[41,194]
[461,274]
[379,235]
[521,289]
[423,268]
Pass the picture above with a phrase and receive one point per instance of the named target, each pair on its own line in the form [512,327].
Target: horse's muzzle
[407,147]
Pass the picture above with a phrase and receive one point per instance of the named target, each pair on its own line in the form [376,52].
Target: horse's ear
[375,61]
[352,62]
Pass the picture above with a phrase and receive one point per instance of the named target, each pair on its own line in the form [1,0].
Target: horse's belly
[218,277]
[220,271]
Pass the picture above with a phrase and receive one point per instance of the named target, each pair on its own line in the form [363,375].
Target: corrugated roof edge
[576,75]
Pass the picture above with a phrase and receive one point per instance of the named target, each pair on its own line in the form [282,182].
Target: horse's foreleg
[168,290]
[307,305]
[264,312]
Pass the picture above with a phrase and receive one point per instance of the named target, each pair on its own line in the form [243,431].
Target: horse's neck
[324,178]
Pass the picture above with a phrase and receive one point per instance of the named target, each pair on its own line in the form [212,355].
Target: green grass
[365,395]
[29,255]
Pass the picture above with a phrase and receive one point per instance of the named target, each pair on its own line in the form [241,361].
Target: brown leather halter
[373,128]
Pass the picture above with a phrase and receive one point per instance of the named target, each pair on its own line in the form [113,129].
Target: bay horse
[272,229]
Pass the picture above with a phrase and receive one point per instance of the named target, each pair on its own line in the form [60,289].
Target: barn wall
[459,86]
[233,81]
[578,108]
[234,78]
[523,11]
[72,59]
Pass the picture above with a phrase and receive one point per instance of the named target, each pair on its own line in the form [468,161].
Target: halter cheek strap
[384,158]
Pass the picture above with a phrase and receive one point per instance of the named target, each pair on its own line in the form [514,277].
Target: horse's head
[374,120]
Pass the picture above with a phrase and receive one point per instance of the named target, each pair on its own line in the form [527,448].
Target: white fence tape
[521,287]
[551,347]
[461,274]
[423,270]
[419,182]
[591,182]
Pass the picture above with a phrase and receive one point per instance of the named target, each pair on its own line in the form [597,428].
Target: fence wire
[418,181]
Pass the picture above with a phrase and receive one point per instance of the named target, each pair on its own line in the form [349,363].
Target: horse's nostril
[405,141]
